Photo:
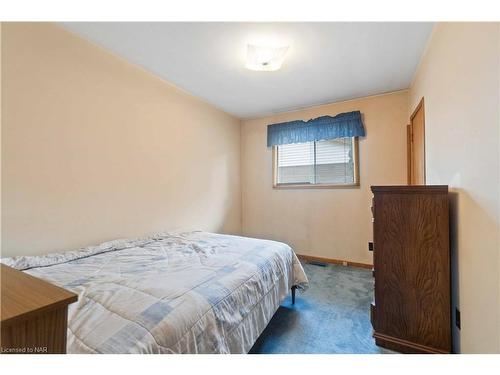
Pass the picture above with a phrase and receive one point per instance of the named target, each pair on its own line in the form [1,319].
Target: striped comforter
[193,292]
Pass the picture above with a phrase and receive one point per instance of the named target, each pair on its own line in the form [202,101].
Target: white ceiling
[326,62]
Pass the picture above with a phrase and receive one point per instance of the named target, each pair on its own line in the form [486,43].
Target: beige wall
[332,223]
[459,79]
[94,148]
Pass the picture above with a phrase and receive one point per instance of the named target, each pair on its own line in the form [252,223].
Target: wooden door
[416,146]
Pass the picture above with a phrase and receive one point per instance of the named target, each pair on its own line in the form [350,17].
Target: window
[317,164]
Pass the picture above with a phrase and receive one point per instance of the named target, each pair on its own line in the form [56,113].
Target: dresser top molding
[411,189]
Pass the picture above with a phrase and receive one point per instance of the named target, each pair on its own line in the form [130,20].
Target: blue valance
[343,125]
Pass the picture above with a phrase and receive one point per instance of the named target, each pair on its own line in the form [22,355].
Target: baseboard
[334,261]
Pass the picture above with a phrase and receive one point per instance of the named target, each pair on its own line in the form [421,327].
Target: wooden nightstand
[33,314]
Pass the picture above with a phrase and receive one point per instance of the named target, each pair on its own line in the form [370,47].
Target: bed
[192,292]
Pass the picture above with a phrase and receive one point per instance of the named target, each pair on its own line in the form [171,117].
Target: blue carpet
[332,316]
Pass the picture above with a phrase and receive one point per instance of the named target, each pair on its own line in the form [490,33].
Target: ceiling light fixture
[262,58]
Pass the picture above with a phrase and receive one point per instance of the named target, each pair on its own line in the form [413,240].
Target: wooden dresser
[412,308]
[33,314]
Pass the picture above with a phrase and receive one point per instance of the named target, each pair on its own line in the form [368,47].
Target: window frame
[355,184]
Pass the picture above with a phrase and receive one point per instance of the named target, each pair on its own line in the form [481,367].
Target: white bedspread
[193,292]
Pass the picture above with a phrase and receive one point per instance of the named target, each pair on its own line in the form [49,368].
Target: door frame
[409,141]
[408,153]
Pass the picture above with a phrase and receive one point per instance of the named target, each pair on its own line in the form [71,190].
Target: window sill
[316,186]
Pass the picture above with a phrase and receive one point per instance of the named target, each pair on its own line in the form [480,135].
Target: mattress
[193,292]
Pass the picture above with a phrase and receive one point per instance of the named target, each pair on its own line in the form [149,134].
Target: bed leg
[293,294]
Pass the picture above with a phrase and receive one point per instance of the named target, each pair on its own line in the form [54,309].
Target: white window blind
[320,162]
